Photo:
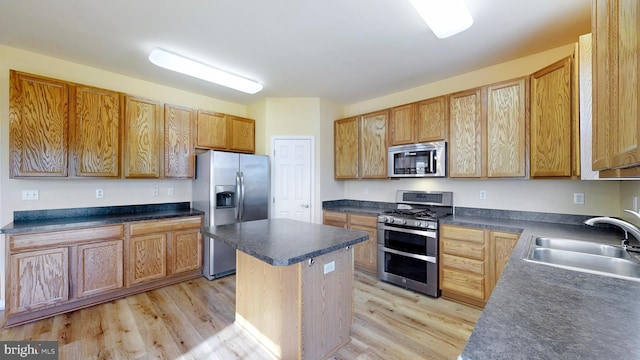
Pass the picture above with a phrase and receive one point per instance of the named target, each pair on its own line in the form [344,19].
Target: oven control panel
[394,220]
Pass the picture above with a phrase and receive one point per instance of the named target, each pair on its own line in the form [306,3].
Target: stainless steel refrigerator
[229,188]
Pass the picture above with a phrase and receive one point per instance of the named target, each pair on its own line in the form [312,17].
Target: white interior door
[292,190]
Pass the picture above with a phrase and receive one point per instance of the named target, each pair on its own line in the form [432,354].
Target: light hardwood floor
[194,320]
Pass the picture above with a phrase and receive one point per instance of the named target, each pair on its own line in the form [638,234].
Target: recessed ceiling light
[181,64]
[444,17]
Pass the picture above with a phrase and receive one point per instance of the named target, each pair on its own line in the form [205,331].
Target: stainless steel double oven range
[408,240]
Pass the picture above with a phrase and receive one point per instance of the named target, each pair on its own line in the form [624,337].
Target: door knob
[306,206]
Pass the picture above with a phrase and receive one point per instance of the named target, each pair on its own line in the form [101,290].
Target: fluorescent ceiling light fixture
[171,61]
[444,17]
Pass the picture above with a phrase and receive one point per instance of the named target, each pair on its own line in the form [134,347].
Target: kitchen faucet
[627,227]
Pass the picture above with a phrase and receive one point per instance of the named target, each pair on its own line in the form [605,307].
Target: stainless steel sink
[583,256]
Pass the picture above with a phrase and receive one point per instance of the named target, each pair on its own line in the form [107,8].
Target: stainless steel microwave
[418,160]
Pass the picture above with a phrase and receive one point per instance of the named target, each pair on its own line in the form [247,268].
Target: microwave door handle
[432,162]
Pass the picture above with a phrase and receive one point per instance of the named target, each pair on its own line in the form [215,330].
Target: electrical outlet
[578,198]
[99,193]
[483,195]
[171,191]
[155,191]
[30,195]
[329,267]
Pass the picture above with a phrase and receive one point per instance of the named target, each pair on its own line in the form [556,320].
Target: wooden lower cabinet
[54,272]
[99,267]
[471,262]
[365,254]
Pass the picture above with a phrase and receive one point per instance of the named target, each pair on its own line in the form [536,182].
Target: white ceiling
[344,51]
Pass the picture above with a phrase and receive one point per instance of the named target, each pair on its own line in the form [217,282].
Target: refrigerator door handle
[238,196]
[241,202]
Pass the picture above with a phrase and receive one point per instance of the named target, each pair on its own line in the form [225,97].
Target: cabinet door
[346,143]
[38,279]
[373,146]
[603,97]
[142,138]
[96,138]
[212,130]
[506,128]
[186,251]
[465,141]
[365,254]
[625,131]
[242,136]
[147,258]
[100,267]
[401,125]
[179,149]
[551,120]
[38,126]
[502,245]
[431,119]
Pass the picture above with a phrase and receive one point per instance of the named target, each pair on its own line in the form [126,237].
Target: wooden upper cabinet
[179,149]
[432,117]
[36,104]
[603,96]
[346,143]
[552,120]
[402,125]
[142,138]
[373,145]
[242,134]
[506,124]
[212,130]
[465,145]
[620,26]
[96,138]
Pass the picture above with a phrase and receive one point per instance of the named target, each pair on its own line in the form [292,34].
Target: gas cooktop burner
[419,214]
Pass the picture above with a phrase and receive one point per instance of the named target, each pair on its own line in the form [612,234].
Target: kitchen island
[294,290]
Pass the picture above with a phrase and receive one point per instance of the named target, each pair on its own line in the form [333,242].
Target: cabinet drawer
[464,249]
[63,237]
[463,283]
[334,218]
[363,220]
[164,225]
[463,264]
[462,233]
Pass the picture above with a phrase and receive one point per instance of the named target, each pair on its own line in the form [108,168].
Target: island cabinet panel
[147,258]
[179,147]
[289,308]
[465,140]
[472,261]
[432,117]
[96,138]
[38,103]
[346,142]
[373,145]
[402,125]
[212,130]
[142,138]
[99,267]
[507,126]
[552,121]
[37,279]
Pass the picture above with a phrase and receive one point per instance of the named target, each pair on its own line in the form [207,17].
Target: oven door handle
[427,258]
[431,234]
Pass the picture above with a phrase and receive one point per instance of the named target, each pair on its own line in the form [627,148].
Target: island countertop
[283,242]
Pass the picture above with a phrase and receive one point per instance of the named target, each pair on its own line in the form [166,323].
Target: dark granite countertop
[62,219]
[283,242]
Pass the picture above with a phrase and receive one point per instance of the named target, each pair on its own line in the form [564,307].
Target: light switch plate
[30,195]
